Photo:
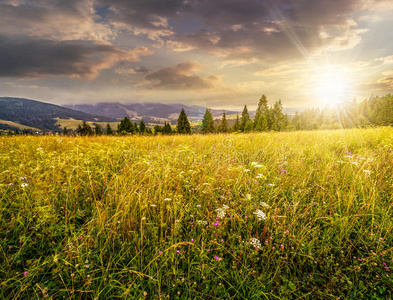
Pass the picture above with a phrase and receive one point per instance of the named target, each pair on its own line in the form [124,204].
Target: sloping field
[17,125]
[297,215]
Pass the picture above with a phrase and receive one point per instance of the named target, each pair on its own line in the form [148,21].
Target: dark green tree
[207,122]
[109,130]
[65,131]
[244,118]
[236,126]
[223,126]
[183,125]
[98,130]
[142,126]
[125,126]
[260,120]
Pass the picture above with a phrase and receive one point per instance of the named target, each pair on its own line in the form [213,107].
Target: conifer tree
[136,128]
[109,130]
[183,125]
[65,131]
[260,120]
[236,126]
[244,118]
[98,130]
[208,122]
[142,126]
[223,126]
[125,126]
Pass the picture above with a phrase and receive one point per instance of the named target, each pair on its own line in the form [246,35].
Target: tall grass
[256,216]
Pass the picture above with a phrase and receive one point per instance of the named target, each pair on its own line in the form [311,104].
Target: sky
[214,53]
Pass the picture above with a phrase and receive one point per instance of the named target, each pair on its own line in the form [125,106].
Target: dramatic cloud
[54,19]
[251,46]
[180,77]
[38,58]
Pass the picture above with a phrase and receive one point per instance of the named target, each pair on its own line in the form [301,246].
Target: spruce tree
[183,125]
[109,130]
[208,122]
[142,126]
[236,126]
[65,131]
[244,118]
[223,126]
[98,130]
[260,120]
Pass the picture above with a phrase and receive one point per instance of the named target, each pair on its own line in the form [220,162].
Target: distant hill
[39,115]
[150,112]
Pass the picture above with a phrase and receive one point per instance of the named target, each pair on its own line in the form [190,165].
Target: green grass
[90,218]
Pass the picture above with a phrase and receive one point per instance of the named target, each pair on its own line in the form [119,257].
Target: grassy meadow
[287,215]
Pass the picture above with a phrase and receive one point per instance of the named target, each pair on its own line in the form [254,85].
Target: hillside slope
[40,114]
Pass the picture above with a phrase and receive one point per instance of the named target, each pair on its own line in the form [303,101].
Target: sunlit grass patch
[285,215]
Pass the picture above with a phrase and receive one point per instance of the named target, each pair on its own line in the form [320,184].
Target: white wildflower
[220,213]
[246,170]
[248,196]
[153,205]
[367,171]
[198,205]
[23,185]
[264,204]
[225,207]
[167,199]
[202,222]
[255,242]
[260,214]
[271,184]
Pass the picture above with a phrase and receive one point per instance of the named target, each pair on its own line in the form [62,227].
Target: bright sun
[332,88]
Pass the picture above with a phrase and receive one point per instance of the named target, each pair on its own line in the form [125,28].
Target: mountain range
[150,112]
[36,115]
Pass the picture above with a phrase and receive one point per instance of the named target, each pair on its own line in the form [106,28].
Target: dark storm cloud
[180,77]
[22,57]
[267,28]
[53,19]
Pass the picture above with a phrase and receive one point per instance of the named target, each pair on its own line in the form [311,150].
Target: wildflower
[192,240]
[220,213]
[246,170]
[217,258]
[248,196]
[25,273]
[23,185]
[177,251]
[271,184]
[283,171]
[367,171]
[201,222]
[159,252]
[260,215]
[282,246]
[255,242]
[167,199]
[153,205]
[264,204]
[198,205]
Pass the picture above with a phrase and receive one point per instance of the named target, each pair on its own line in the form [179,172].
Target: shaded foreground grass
[299,215]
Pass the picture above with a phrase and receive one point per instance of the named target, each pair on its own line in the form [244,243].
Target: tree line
[375,111]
